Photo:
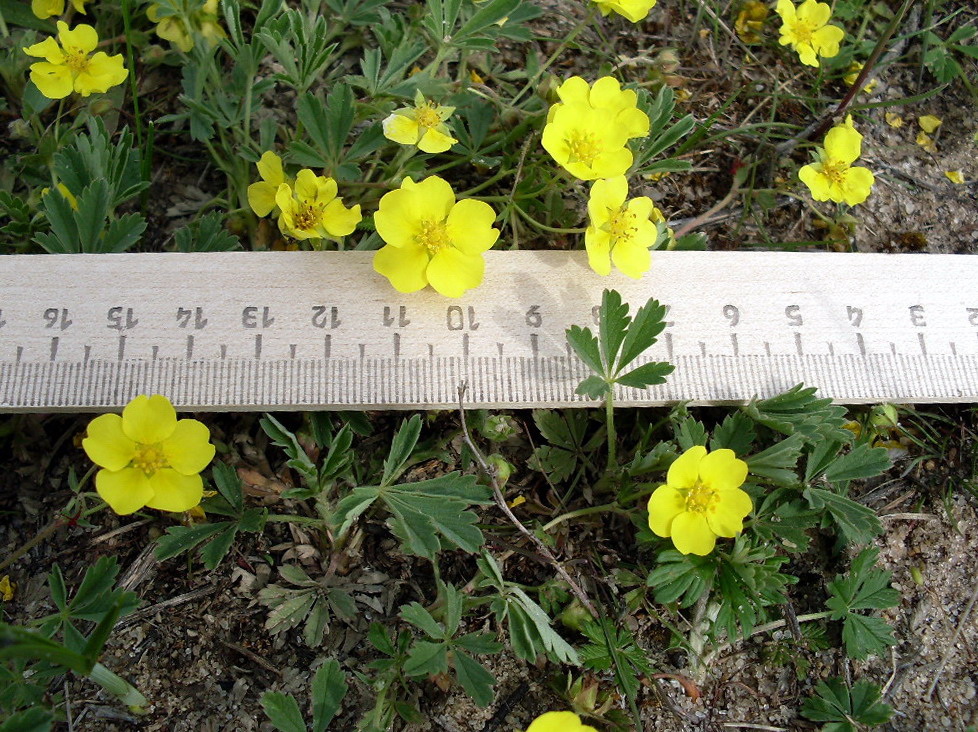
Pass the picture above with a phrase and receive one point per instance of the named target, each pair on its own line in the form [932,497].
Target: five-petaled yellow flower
[47,8]
[587,130]
[432,238]
[805,29]
[832,177]
[422,125]
[700,500]
[148,457]
[180,29]
[68,67]
[559,722]
[634,10]
[311,210]
[620,231]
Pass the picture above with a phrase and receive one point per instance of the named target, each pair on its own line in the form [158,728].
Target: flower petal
[452,272]
[125,490]
[685,470]
[339,220]
[726,516]
[261,198]
[188,450]
[437,198]
[270,169]
[149,420]
[857,185]
[574,89]
[175,492]
[598,245]
[53,81]
[818,183]
[607,195]
[631,258]
[665,504]
[722,470]
[401,129]
[102,73]
[82,37]
[435,141]
[106,444]
[469,226]
[692,535]
[398,220]
[48,49]
[405,266]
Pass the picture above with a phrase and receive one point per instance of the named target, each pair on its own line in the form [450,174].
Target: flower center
[621,224]
[583,147]
[428,117]
[803,31]
[433,236]
[76,60]
[149,458]
[701,498]
[306,216]
[835,172]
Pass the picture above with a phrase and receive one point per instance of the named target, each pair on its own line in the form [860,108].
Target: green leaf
[283,438]
[864,588]
[283,711]
[613,323]
[328,689]
[681,577]
[835,702]
[645,375]
[643,332]
[228,485]
[206,234]
[593,387]
[585,345]
[401,448]
[859,524]
[474,678]
[863,461]
[778,463]
[866,636]
[798,410]
[689,433]
[736,433]
[215,550]
[415,614]
[426,658]
[30,720]
[179,539]
[783,519]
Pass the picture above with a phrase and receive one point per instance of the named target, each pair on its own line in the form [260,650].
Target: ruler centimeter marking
[322,330]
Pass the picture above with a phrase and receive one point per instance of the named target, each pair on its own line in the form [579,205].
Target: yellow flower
[261,196]
[311,210]
[620,231]
[68,67]
[634,10]
[832,177]
[805,30]
[559,722]
[422,125]
[954,176]
[700,500]
[750,21]
[46,8]
[6,588]
[180,29]
[928,123]
[618,106]
[148,457]
[432,238]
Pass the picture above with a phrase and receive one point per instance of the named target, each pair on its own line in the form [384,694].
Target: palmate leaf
[858,523]
[799,411]
[846,709]
[864,588]
[424,513]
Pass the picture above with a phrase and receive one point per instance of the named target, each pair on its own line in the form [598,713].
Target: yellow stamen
[76,60]
[621,224]
[701,498]
[433,236]
[835,171]
[306,217]
[427,116]
[583,147]
[803,31]
[149,459]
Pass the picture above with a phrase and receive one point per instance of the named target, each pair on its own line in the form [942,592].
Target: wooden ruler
[322,330]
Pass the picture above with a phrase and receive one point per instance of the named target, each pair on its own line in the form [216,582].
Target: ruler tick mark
[122,348]
[327,345]
[431,351]
[767,348]
[397,345]
[156,352]
[499,347]
[292,350]
[88,354]
[702,348]
[954,348]
[798,346]
[54,347]
[669,345]
[258,345]
[893,348]
[734,343]
[831,348]
[363,350]
[190,347]
[224,351]
[923,344]
[20,353]
[465,345]
[862,344]
[535,344]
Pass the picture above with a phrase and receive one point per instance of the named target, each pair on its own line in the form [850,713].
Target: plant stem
[115,684]
[591,510]
[543,227]
[609,411]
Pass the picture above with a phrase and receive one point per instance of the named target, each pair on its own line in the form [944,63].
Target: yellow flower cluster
[633,10]
[832,176]
[587,133]
[307,207]
[148,457]
[69,64]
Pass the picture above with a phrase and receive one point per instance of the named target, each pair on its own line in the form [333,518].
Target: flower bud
[501,467]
